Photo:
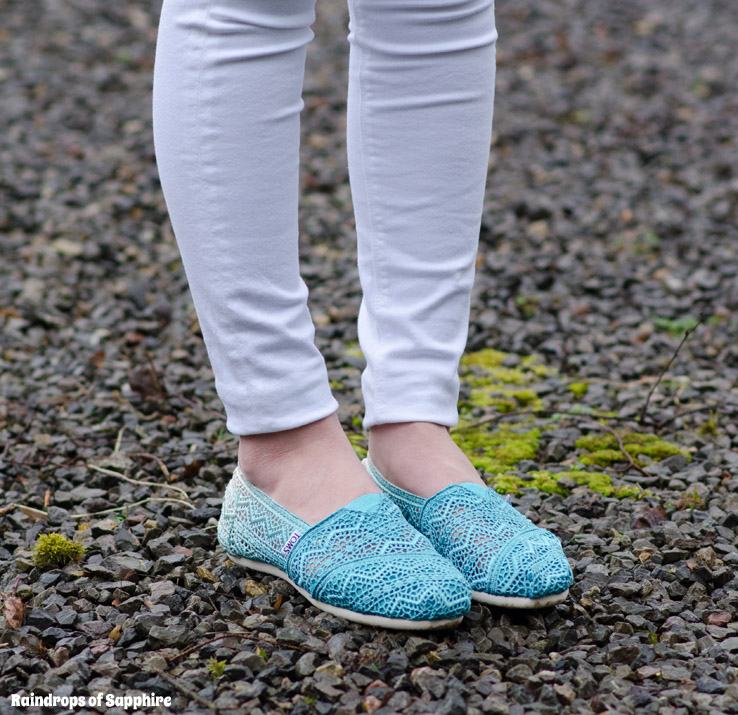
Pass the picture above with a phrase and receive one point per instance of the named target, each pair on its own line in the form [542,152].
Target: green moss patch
[496,452]
[603,457]
[603,449]
[551,483]
[55,550]
[497,386]
[578,389]
[495,383]
[353,348]
[487,358]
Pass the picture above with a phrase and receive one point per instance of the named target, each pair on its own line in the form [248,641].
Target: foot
[419,457]
[311,471]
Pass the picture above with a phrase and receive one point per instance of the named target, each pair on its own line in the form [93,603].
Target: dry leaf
[145,382]
[650,516]
[192,469]
[115,634]
[98,359]
[14,610]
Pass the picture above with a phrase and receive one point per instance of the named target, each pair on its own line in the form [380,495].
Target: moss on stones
[353,348]
[551,483]
[504,399]
[492,384]
[495,452]
[603,457]
[487,358]
[603,448]
[55,550]
[578,389]
[709,428]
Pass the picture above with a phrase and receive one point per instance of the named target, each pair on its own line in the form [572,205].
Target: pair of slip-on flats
[396,560]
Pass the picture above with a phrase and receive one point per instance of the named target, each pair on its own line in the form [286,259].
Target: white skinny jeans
[227,99]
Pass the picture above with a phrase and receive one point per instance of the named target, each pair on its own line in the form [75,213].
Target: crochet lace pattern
[498,549]
[364,557]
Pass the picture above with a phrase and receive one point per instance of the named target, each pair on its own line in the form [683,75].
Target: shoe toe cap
[533,565]
[412,587]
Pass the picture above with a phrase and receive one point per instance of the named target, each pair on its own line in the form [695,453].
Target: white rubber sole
[402,624]
[519,602]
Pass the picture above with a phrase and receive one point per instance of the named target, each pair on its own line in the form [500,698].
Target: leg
[227,98]
[420,115]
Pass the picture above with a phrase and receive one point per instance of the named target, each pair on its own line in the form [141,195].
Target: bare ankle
[258,451]
[420,457]
[311,470]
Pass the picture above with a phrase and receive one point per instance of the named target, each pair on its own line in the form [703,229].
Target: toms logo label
[294,536]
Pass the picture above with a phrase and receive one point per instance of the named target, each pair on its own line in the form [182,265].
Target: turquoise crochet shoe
[508,560]
[364,562]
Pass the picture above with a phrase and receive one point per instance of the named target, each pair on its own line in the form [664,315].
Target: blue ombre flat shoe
[364,562]
[508,560]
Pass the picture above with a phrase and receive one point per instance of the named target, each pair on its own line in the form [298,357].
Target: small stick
[186,691]
[221,636]
[548,411]
[118,439]
[622,449]
[192,403]
[195,647]
[687,333]
[158,460]
[716,408]
[40,514]
[27,510]
[129,506]
[112,473]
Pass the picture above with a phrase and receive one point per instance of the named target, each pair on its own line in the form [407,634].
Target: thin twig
[185,690]
[40,514]
[238,634]
[112,473]
[118,439]
[623,450]
[195,647]
[497,417]
[27,510]
[712,408]
[202,405]
[130,506]
[686,335]
[158,460]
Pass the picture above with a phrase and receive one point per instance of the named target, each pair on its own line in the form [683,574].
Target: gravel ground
[608,252]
